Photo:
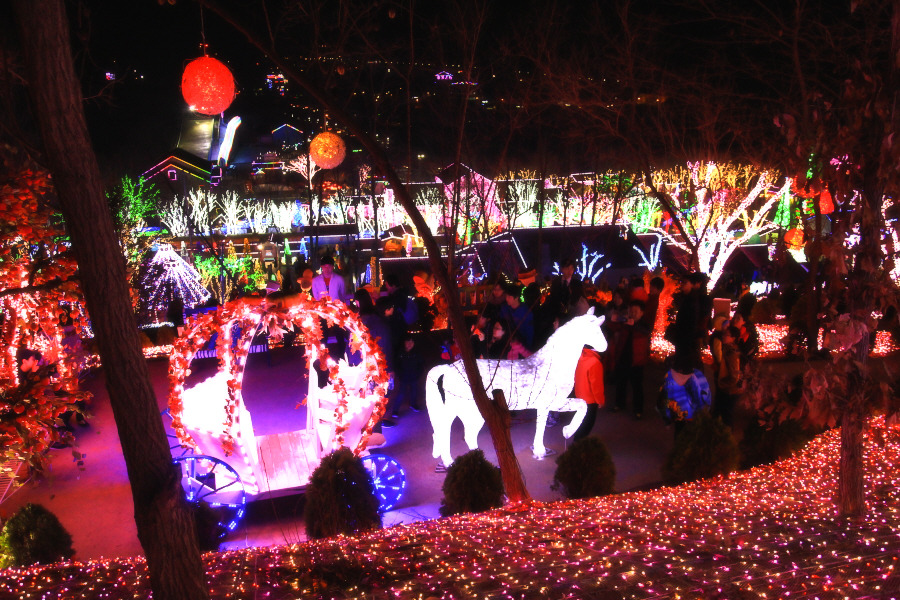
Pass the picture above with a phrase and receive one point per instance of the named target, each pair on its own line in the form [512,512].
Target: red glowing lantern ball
[794,239]
[207,86]
[327,150]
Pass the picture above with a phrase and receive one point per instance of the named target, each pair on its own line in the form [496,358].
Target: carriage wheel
[389,479]
[208,480]
[175,446]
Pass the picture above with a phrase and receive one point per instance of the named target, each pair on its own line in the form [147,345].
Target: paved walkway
[94,503]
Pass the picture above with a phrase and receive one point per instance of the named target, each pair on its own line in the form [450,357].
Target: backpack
[682,401]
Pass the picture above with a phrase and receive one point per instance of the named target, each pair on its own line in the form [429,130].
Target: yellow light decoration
[327,150]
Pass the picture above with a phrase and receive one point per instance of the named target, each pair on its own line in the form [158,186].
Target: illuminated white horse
[542,381]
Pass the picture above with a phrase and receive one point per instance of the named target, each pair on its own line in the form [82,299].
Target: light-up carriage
[223,462]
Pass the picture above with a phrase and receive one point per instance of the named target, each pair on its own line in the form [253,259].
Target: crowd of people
[515,320]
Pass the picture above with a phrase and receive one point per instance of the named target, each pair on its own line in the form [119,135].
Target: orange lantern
[794,239]
[826,203]
[327,150]
[207,86]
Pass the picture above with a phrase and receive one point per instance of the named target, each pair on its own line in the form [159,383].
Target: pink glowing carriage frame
[223,462]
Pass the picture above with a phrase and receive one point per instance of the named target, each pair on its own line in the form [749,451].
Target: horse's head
[587,328]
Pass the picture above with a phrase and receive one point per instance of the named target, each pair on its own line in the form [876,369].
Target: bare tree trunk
[513,481]
[851,497]
[164,520]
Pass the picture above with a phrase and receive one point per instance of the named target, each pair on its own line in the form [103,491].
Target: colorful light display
[770,532]
[207,86]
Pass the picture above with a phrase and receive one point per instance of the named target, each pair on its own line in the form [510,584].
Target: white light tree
[202,204]
[710,200]
[231,206]
[303,164]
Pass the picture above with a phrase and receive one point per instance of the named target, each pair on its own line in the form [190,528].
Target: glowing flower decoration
[327,150]
[207,86]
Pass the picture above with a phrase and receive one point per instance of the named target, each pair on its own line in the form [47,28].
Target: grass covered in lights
[770,532]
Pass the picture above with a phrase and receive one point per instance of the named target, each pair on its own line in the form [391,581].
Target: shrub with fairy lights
[29,415]
[340,497]
[704,448]
[585,470]
[34,535]
[472,485]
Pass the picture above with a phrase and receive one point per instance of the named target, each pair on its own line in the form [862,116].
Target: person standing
[404,306]
[518,315]
[690,326]
[633,354]
[565,289]
[409,367]
[589,387]
[729,383]
[328,284]
[657,284]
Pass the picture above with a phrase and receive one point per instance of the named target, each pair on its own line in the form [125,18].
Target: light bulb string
[203,44]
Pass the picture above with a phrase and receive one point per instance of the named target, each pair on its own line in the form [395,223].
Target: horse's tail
[435,403]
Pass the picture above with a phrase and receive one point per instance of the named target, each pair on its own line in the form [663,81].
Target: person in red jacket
[632,352]
[589,387]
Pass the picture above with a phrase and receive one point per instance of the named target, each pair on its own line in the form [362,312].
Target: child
[517,348]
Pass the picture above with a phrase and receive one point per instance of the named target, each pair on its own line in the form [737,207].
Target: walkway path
[94,503]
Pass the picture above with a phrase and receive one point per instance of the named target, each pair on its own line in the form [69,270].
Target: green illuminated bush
[34,535]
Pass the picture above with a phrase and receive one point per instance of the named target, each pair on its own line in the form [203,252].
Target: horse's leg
[472,422]
[580,411]
[538,448]
[440,414]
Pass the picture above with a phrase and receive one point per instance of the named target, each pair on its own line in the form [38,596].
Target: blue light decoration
[304,249]
[587,266]
[650,260]
[167,276]
[389,479]
[213,481]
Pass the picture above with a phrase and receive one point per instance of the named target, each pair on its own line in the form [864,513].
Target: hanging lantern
[207,86]
[327,150]
[794,239]
[826,203]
